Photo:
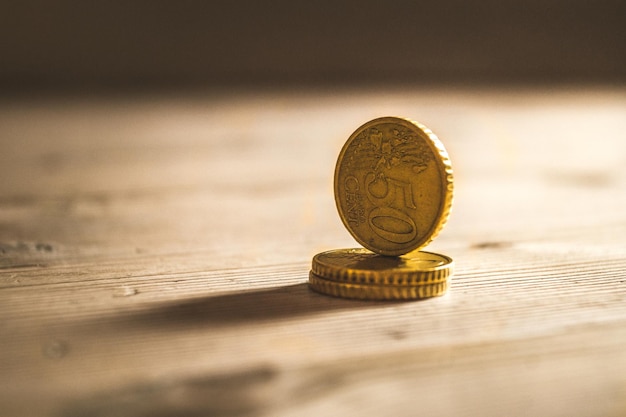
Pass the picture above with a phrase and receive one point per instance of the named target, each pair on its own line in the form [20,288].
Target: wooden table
[154,253]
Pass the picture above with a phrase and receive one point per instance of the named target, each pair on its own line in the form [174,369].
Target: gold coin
[360,266]
[376,292]
[393,185]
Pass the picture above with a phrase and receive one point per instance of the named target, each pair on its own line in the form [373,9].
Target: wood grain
[154,253]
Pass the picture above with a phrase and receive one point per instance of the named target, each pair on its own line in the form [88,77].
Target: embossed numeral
[392,225]
[387,222]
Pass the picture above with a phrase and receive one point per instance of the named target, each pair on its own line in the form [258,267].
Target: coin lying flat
[361,266]
[393,185]
[376,292]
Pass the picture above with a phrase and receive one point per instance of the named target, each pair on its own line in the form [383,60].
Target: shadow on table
[250,306]
[245,393]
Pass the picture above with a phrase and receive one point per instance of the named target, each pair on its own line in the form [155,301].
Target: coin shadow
[242,307]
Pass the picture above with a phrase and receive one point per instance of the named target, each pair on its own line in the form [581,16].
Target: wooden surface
[154,253]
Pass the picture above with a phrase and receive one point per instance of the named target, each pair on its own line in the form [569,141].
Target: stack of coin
[393,190]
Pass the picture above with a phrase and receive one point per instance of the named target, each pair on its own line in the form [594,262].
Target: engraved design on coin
[389,192]
[393,154]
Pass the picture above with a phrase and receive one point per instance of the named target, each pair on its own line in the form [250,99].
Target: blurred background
[147,45]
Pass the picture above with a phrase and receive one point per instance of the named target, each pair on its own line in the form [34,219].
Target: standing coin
[393,185]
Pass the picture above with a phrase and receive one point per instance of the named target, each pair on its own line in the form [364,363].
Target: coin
[376,292]
[361,266]
[393,185]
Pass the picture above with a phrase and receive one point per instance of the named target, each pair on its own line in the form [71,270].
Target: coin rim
[443,164]
[377,292]
[385,277]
